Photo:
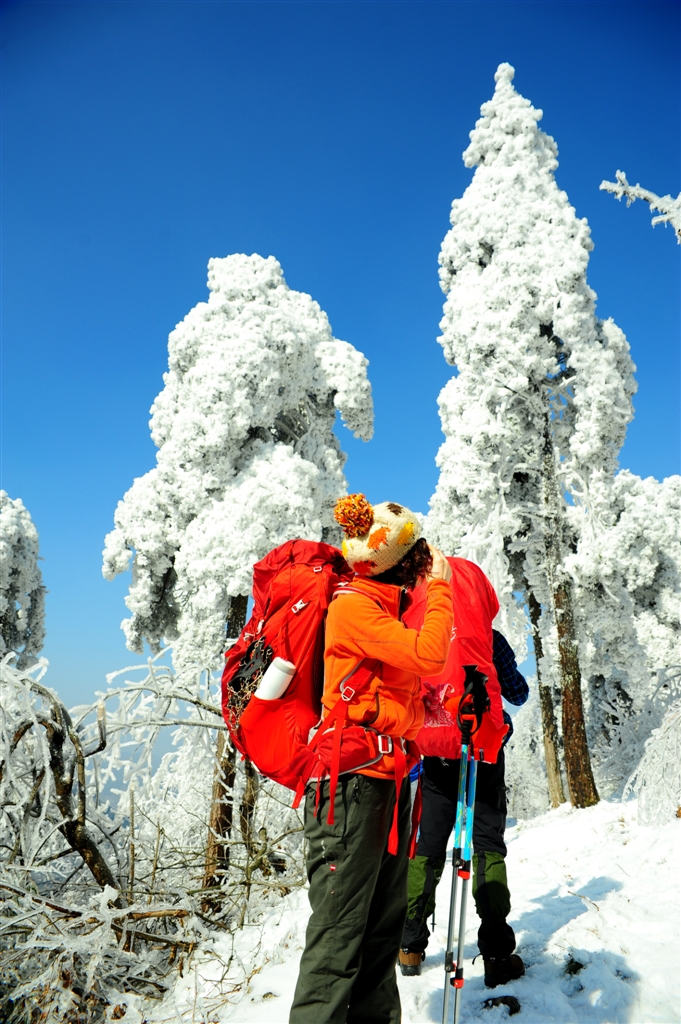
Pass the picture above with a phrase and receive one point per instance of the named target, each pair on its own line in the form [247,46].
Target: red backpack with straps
[292,587]
[475,605]
[284,738]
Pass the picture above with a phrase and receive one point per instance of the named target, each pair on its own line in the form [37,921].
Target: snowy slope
[591,886]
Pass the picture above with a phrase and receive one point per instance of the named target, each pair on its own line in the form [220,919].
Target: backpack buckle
[385,744]
[299,606]
[348,693]
[317,568]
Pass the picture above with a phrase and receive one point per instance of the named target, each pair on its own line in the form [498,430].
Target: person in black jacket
[496,939]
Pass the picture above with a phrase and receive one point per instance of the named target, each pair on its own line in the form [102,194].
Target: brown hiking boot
[410,963]
[500,970]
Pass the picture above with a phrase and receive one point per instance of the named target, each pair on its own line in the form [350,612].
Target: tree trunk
[222,800]
[64,763]
[548,718]
[580,780]
[247,808]
[221,816]
[583,792]
[246,812]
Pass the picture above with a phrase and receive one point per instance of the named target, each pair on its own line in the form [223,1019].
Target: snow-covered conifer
[22,594]
[247,455]
[543,392]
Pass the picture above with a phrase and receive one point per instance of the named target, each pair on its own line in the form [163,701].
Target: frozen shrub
[657,780]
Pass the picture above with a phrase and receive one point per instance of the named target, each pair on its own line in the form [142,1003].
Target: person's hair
[414,567]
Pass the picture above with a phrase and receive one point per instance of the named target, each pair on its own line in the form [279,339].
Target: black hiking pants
[358,895]
[490,887]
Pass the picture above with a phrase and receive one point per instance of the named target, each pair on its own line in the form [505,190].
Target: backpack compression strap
[416,818]
[400,772]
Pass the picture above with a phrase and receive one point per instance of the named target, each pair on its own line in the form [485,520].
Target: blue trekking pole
[471,708]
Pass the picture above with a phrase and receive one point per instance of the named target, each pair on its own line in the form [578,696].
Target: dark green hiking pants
[490,892]
[358,895]
[490,887]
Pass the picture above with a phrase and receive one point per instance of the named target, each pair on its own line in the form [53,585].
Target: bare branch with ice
[669,208]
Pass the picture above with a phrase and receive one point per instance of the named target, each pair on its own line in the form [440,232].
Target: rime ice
[247,455]
[22,594]
[533,425]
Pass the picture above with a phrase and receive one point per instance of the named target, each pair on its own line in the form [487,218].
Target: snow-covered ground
[589,887]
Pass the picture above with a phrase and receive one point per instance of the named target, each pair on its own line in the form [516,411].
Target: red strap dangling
[400,772]
[335,759]
[415,818]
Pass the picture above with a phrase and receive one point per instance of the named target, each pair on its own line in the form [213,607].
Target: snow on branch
[22,594]
[669,208]
[657,779]
[103,842]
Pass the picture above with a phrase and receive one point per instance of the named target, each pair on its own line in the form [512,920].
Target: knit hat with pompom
[377,537]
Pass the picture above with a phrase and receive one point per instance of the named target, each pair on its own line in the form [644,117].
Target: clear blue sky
[140,139]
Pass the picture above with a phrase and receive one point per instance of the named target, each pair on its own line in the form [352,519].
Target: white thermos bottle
[275,680]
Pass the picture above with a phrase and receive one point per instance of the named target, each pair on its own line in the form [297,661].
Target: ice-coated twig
[669,208]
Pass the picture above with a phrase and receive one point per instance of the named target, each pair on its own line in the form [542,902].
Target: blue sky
[140,139]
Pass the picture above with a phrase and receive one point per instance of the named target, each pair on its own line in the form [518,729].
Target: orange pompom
[354,514]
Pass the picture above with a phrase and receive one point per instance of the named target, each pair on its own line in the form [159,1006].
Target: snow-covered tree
[540,402]
[657,779]
[22,594]
[669,208]
[247,455]
[627,573]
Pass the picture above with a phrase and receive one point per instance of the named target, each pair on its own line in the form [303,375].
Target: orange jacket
[364,623]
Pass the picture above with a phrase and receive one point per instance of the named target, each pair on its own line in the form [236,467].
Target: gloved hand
[451,704]
[455,708]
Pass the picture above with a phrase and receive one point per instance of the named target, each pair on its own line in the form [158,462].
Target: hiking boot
[410,963]
[500,970]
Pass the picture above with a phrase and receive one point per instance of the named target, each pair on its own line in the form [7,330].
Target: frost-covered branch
[146,814]
[22,594]
[657,778]
[39,772]
[669,208]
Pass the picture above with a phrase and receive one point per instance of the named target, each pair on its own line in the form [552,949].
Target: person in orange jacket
[358,889]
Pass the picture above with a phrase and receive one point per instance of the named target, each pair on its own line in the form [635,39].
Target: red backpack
[475,605]
[292,589]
